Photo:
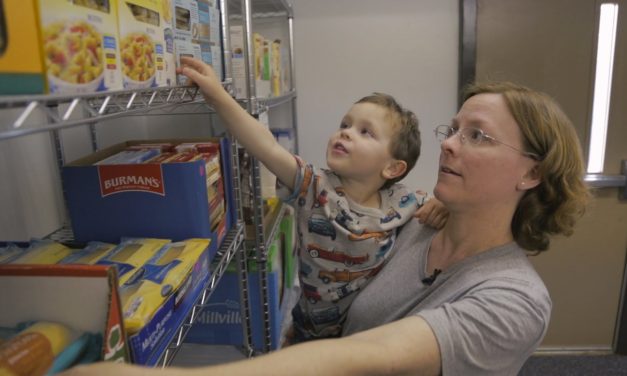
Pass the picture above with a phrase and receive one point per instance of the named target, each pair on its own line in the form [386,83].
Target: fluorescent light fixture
[602,86]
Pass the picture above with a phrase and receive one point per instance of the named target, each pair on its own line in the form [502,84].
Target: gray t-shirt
[489,312]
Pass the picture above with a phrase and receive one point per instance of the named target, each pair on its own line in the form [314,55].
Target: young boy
[347,215]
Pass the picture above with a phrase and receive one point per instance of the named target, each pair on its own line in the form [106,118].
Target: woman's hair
[560,199]
[405,145]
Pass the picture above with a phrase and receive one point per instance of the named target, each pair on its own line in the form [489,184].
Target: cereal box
[80,45]
[146,45]
[187,31]
[238,64]
[209,35]
[21,62]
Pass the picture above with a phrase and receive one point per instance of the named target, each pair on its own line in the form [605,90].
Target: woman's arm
[404,347]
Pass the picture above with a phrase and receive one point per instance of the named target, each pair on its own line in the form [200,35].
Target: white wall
[346,49]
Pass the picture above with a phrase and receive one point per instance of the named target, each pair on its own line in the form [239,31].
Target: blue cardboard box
[169,200]
[220,321]
[149,343]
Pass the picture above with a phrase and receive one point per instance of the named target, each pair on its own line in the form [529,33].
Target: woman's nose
[451,144]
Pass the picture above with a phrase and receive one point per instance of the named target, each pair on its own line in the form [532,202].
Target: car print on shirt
[311,293]
[407,200]
[304,269]
[341,275]
[348,275]
[348,260]
[321,199]
[378,235]
[325,315]
[384,249]
[344,291]
[391,214]
[320,225]
[346,220]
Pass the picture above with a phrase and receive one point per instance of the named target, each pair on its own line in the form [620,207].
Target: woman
[463,300]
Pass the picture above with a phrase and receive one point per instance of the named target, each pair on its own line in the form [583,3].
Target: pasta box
[159,200]
[80,45]
[146,43]
[21,61]
[147,345]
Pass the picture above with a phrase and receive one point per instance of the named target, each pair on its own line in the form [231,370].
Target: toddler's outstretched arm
[249,132]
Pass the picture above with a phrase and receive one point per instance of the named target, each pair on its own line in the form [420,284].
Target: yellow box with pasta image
[80,45]
[21,62]
[147,43]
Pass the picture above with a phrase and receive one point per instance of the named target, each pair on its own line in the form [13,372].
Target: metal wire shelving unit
[50,114]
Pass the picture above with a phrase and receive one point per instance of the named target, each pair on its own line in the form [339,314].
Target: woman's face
[487,175]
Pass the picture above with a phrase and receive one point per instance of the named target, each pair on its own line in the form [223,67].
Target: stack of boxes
[75,47]
[271,65]
[157,279]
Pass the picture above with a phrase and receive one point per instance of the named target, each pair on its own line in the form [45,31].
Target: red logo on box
[131,178]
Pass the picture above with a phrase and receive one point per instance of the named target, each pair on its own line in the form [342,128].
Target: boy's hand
[202,75]
[433,213]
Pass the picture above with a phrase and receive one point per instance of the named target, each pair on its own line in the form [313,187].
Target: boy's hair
[560,199]
[405,144]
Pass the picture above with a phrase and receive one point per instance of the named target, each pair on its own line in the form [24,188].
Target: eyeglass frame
[484,136]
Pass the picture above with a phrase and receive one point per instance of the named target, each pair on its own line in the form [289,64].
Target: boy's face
[360,149]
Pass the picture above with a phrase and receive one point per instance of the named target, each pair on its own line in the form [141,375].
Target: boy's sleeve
[302,182]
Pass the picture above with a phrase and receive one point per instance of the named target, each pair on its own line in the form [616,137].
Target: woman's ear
[530,180]
[394,169]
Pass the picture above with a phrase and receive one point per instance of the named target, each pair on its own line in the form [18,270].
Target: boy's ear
[394,169]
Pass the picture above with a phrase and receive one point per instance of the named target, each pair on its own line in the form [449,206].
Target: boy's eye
[366,132]
[343,125]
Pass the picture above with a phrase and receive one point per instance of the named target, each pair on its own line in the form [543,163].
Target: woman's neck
[467,235]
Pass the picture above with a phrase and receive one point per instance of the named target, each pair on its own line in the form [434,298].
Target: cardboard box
[220,321]
[21,61]
[166,201]
[146,43]
[80,45]
[150,342]
[59,46]
[187,29]
[82,297]
[261,52]
[238,64]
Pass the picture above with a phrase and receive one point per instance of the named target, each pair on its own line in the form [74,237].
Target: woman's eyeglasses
[474,137]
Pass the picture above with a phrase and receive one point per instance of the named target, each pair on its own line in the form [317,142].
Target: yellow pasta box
[80,45]
[21,62]
[160,277]
[43,252]
[147,43]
